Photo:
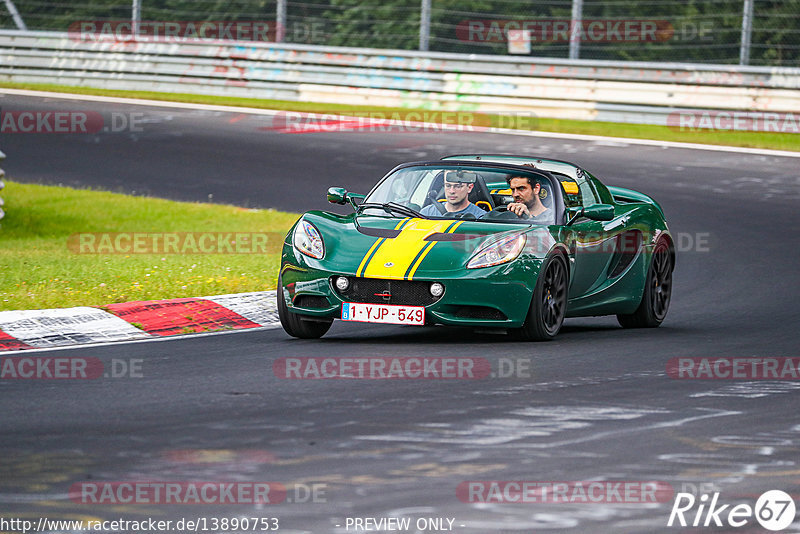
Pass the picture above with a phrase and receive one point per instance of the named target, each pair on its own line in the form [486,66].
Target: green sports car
[492,241]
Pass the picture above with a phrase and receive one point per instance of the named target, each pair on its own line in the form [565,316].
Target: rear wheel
[549,303]
[298,326]
[657,292]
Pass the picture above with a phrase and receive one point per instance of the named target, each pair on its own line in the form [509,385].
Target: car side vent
[626,248]
[480,312]
[441,236]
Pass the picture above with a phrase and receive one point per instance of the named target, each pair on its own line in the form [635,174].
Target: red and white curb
[131,321]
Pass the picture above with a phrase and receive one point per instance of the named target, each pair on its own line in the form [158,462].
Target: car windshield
[458,192]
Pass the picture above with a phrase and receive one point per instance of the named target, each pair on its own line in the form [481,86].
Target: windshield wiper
[390,207]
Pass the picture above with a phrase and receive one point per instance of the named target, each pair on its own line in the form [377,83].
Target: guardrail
[570,89]
[2,185]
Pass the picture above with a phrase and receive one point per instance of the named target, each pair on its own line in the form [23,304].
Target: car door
[593,242]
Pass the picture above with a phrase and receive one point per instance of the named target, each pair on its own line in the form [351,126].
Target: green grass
[39,270]
[775,141]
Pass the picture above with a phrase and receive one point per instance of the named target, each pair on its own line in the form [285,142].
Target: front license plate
[383,313]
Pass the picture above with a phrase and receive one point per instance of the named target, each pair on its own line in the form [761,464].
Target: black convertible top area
[554,165]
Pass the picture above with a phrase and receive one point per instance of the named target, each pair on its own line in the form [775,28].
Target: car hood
[408,248]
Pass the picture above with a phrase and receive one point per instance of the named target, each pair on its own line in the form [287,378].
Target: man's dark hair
[531,181]
[525,176]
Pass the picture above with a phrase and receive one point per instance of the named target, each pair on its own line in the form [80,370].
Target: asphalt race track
[596,404]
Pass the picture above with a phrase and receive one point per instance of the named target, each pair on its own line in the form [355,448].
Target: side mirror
[599,212]
[596,212]
[337,195]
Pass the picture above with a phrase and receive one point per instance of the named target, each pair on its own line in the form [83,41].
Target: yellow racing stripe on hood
[376,244]
[394,257]
[417,261]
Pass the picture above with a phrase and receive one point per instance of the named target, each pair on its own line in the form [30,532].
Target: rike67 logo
[774,510]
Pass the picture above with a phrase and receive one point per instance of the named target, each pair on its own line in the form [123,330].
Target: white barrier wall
[588,90]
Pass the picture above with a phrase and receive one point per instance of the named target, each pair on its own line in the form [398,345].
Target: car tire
[657,291]
[549,303]
[297,326]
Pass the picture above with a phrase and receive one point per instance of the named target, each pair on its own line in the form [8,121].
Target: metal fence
[755,32]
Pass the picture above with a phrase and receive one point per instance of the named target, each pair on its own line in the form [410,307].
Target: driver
[457,187]
[527,203]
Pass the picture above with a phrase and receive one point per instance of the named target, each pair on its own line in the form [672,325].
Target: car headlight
[307,240]
[498,251]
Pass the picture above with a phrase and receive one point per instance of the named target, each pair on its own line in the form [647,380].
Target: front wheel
[549,303]
[296,325]
[657,292]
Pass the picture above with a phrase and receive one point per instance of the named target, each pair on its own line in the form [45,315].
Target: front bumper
[493,297]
